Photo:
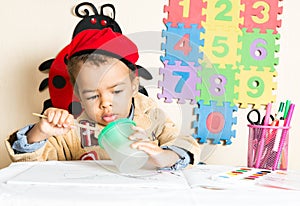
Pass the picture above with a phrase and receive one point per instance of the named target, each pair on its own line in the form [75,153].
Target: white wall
[35,30]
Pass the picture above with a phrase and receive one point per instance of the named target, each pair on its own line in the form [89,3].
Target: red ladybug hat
[104,41]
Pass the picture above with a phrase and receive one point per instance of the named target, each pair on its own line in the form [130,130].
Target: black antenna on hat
[110,6]
[87,13]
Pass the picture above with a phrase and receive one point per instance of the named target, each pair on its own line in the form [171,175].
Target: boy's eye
[92,97]
[117,91]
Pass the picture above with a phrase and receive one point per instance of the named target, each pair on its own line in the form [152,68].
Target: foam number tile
[223,14]
[255,87]
[187,12]
[222,45]
[182,44]
[259,49]
[214,122]
[261,14]
[179,82]
[217,84]
[222,31]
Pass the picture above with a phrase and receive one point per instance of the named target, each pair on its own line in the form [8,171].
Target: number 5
[217,43]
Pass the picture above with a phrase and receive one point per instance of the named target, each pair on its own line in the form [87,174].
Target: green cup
[114,139]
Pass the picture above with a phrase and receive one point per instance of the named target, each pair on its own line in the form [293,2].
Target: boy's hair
[75,63]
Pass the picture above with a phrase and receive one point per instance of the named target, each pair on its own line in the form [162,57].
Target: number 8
[217,83]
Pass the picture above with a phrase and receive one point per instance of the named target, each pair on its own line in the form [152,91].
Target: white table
[58,193]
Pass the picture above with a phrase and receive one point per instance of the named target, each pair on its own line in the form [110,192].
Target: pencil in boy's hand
[75,122]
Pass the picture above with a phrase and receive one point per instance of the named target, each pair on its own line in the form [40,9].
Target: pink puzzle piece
[261,14]
[185,11]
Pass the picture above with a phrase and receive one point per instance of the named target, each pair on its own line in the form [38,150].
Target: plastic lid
[111,125]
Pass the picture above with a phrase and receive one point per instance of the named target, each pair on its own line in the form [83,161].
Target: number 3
[265,12]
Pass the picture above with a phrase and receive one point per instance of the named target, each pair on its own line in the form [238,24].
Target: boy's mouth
[109,117]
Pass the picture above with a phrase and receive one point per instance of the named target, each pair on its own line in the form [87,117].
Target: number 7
[182,80]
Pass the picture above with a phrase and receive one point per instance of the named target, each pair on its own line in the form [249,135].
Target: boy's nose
[105,104]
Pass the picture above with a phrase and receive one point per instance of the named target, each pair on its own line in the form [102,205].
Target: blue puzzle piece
[182,44]
[214,122]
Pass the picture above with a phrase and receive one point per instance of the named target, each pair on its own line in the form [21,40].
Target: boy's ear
[135,85]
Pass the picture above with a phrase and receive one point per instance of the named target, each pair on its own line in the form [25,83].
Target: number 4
[184,45]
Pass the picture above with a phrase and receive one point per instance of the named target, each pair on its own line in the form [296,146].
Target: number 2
[223,14]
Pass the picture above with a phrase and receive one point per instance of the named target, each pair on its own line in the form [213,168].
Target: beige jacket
[147,115]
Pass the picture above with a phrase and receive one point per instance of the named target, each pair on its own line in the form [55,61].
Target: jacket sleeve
[20,145]
[64,147]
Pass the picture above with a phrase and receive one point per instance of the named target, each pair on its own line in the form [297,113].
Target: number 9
[256,83]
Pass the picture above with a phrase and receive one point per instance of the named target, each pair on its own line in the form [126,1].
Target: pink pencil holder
[268,147]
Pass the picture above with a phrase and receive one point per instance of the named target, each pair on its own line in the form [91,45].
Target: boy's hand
[58,122]
[157,156]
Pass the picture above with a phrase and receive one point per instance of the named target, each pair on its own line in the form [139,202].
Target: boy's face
[106,91]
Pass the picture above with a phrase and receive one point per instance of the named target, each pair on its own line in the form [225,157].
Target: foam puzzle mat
[221,56]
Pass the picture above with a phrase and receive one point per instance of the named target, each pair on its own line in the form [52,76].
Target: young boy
[101,65]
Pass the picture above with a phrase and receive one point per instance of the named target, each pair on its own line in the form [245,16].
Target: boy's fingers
[56,118]
[63,117]
[59,117]
[145,145]
[137,136]
[138,129]
[69,121]
[50,115]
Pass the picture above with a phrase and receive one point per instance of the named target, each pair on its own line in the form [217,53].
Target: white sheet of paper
[96,173]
